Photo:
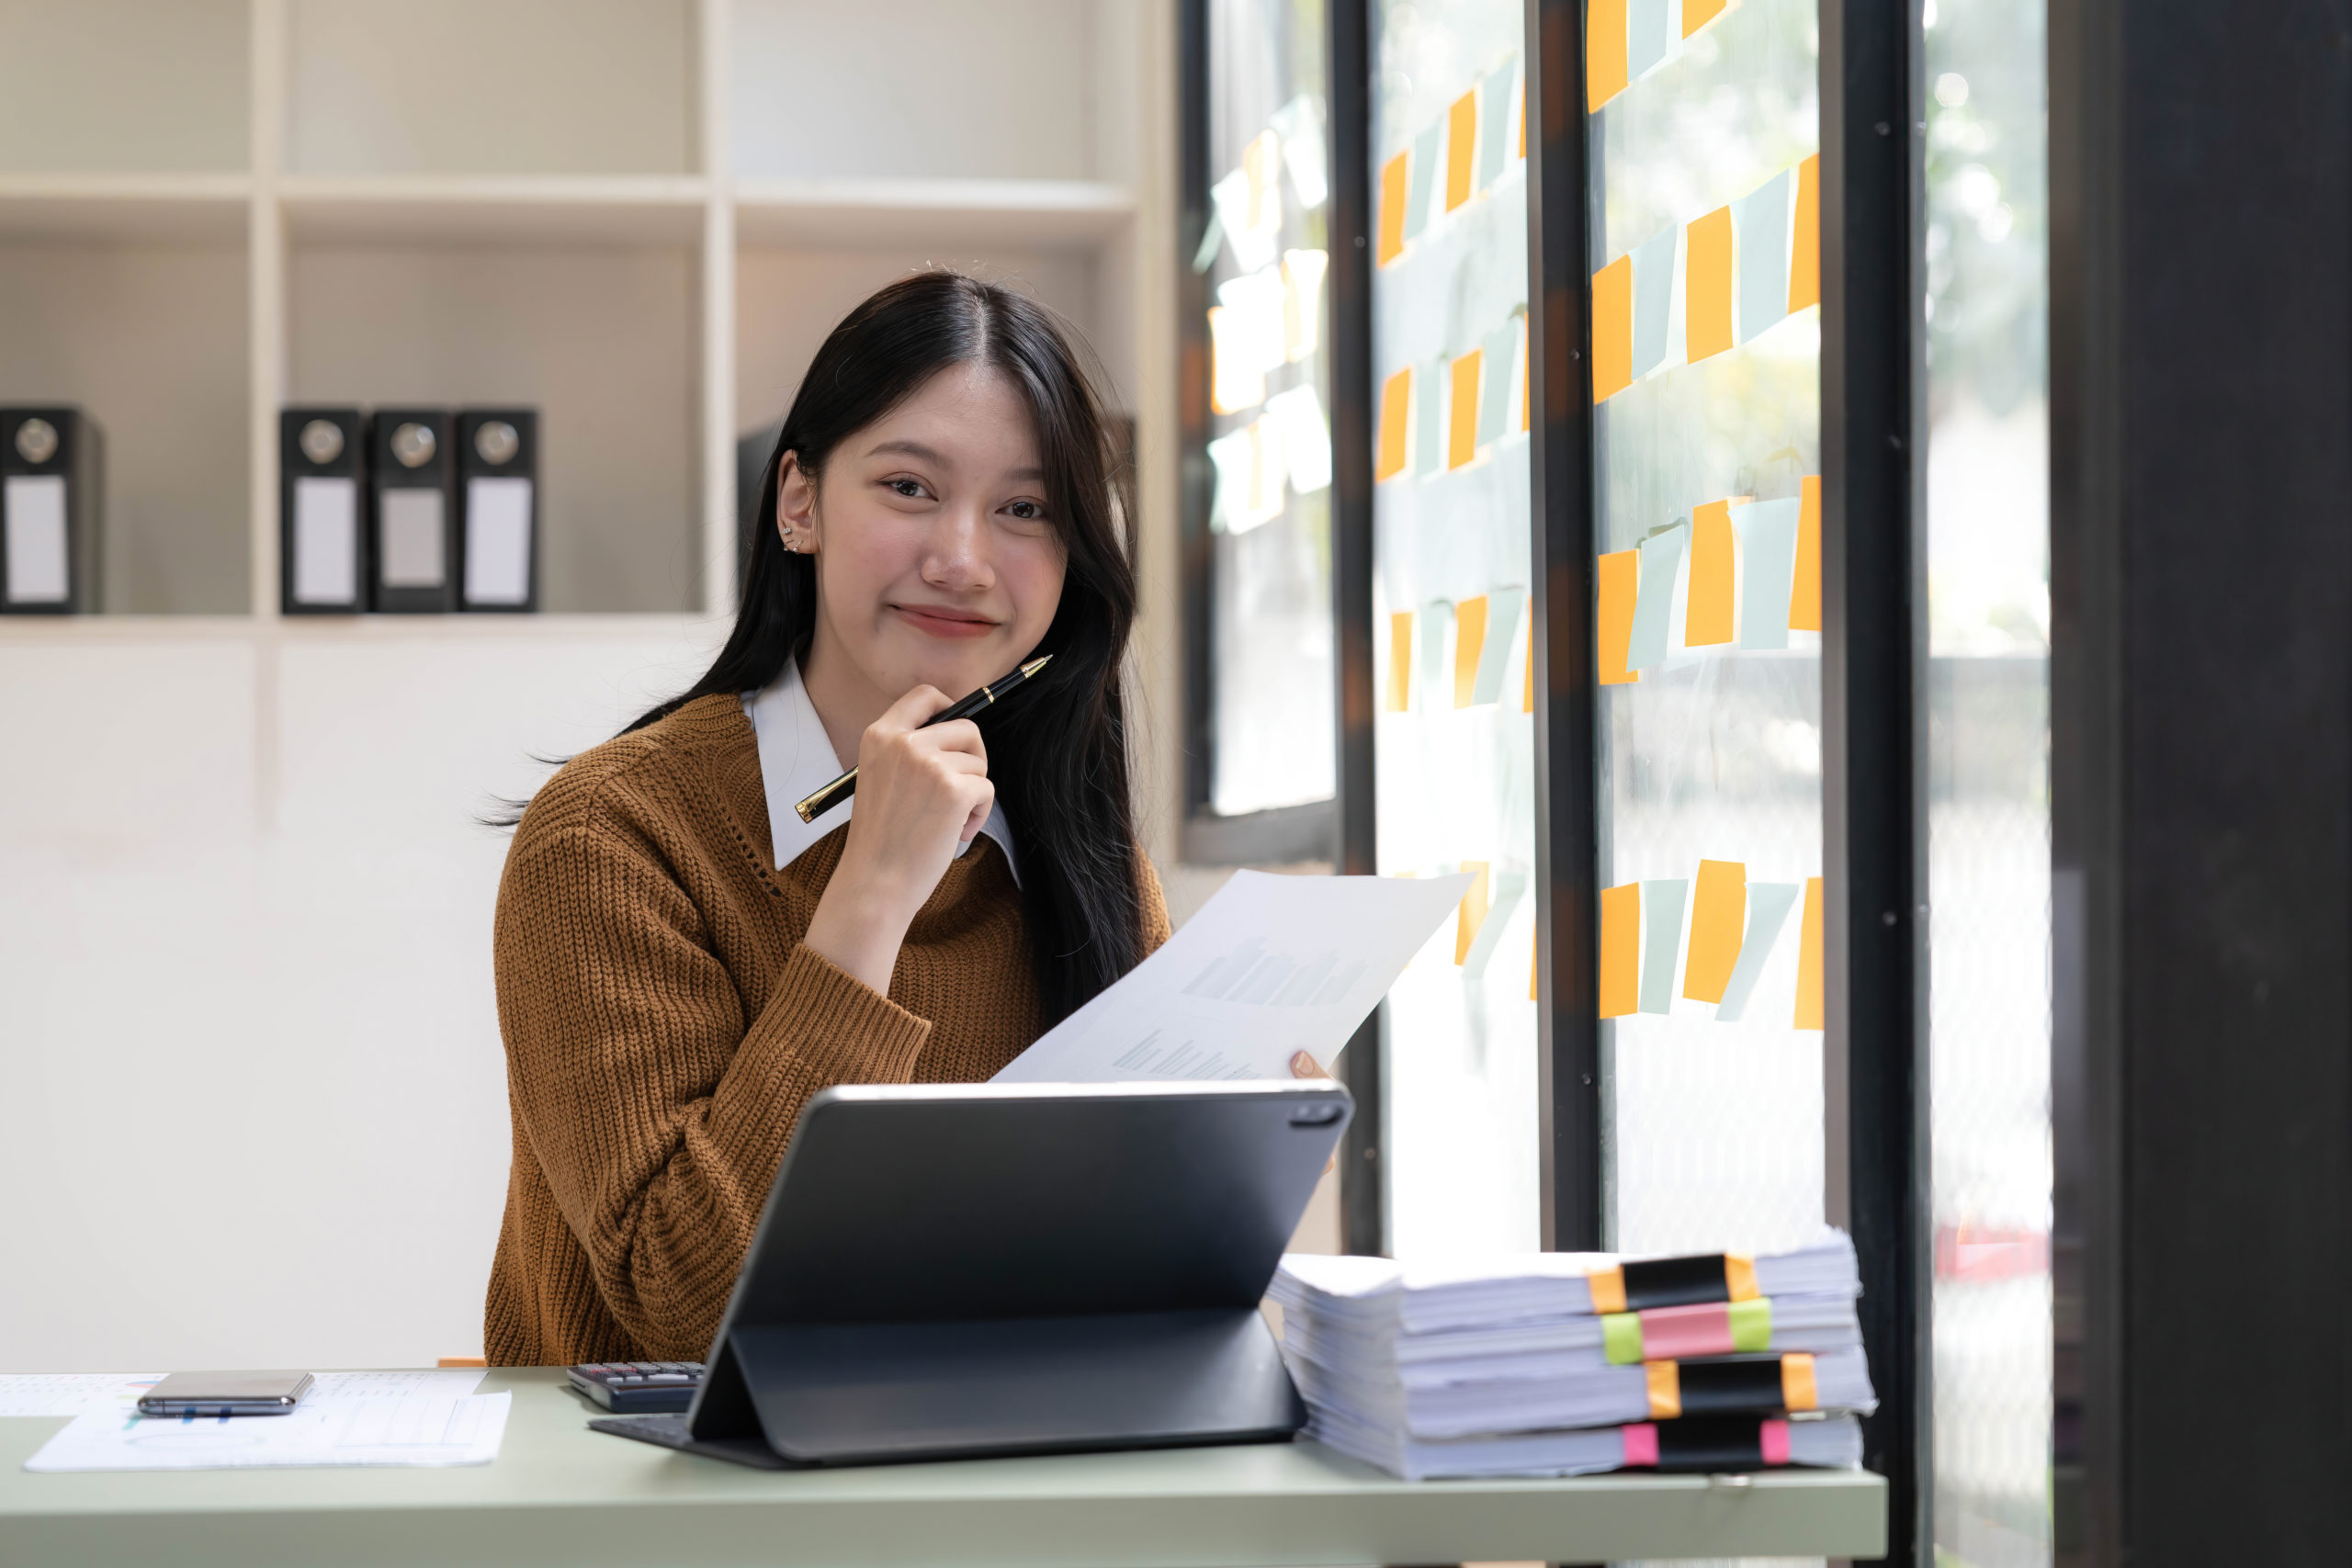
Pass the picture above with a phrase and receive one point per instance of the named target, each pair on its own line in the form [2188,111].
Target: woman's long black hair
[1058,757]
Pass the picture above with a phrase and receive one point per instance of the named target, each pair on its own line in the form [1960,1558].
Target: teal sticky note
[1428,152]
[1654,597]
[1661,940]
[1494,120]
[1645,36]
[1768,552]
[1653,298]
[1761,222]
[1428,418]
[1498,375]
[1503,606]
[1768,910]
[1431,631]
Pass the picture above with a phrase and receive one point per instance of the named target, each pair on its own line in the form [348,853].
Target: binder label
[498,541]
[412,539]
[326,539]
[37,541]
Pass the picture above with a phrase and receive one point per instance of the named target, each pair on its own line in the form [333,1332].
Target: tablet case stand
[786,1394]
[866,1393]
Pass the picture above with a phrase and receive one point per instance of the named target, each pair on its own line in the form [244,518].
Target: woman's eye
[910,489]
[1027,511]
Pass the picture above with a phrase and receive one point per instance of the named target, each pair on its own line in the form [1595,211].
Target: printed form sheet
[401,1418]
[1270,967]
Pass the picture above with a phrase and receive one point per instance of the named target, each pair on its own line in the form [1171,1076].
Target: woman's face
[937,562]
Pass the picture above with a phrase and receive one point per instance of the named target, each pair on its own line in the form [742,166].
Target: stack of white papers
[1553,1363]
[403,1418]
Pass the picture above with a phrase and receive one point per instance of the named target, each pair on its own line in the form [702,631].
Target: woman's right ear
[795,506]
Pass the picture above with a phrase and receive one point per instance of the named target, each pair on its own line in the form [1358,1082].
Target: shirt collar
[796,759]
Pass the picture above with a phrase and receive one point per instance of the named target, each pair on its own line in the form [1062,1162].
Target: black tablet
[952,1270]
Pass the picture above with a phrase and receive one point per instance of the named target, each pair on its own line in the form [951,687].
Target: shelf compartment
[149,340]
[603,342]
[520,87]
[123,87]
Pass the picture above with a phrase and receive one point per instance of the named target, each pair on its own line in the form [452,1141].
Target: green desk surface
[560,1493]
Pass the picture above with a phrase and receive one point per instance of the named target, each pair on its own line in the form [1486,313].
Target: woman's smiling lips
[941,620]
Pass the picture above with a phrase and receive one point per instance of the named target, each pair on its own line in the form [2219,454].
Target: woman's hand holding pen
[922,791]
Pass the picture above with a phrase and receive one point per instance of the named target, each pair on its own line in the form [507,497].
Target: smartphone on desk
[226,1394]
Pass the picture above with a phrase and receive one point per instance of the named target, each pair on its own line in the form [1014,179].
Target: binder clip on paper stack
[1568,1363]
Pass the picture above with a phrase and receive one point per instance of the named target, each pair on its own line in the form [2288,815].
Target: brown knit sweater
[665,1026]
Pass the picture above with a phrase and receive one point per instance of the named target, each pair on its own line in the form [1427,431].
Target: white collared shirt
[796,759]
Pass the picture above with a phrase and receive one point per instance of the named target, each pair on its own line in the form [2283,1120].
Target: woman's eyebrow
[932,455]
[910,448]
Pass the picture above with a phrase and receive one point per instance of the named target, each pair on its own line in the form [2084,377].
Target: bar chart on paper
[1270,967]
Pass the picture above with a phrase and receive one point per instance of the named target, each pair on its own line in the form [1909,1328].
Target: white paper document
[70,1394]
[427,1417]
[1270,966]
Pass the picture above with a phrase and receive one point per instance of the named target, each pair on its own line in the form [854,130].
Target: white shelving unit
[241,880]
[559,202]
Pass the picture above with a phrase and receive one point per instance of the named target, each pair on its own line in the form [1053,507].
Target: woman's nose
[958,556]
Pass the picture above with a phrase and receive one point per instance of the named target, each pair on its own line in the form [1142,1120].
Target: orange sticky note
[1809,958]
[1718,910]
[1804,255]
[1805,588]
[1697,14]
[1460,143]
[1604,57]
[1708,620]
[1462,428]
[1620,576]
[1527,704]
[1400,660]
[1535,964]
[1620,949]
[1395,423]
[1612,325]
[1469,647]
[1473,913]
[1526,404]
[1391,209]
[1706,287]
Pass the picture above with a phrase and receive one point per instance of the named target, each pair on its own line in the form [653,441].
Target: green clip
[1621,1338]
[1751,1324]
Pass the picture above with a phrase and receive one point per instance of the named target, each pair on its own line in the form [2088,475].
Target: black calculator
[638,1388]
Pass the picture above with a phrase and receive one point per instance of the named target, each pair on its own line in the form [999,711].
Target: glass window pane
[1454,737]
[1988,812]
[1270,522]
[1705,367]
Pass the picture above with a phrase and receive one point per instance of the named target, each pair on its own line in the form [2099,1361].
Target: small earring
[790,546]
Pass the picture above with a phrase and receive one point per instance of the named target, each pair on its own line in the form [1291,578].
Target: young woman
[681,962]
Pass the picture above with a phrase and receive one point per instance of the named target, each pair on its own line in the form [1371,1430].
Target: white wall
[258,1106]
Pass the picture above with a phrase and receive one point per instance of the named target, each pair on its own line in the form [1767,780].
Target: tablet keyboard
[638,1388]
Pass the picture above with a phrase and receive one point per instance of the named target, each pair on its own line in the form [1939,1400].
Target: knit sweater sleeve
[1156,928]
[657,1106]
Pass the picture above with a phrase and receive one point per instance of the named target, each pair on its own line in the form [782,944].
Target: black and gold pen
[841,788]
